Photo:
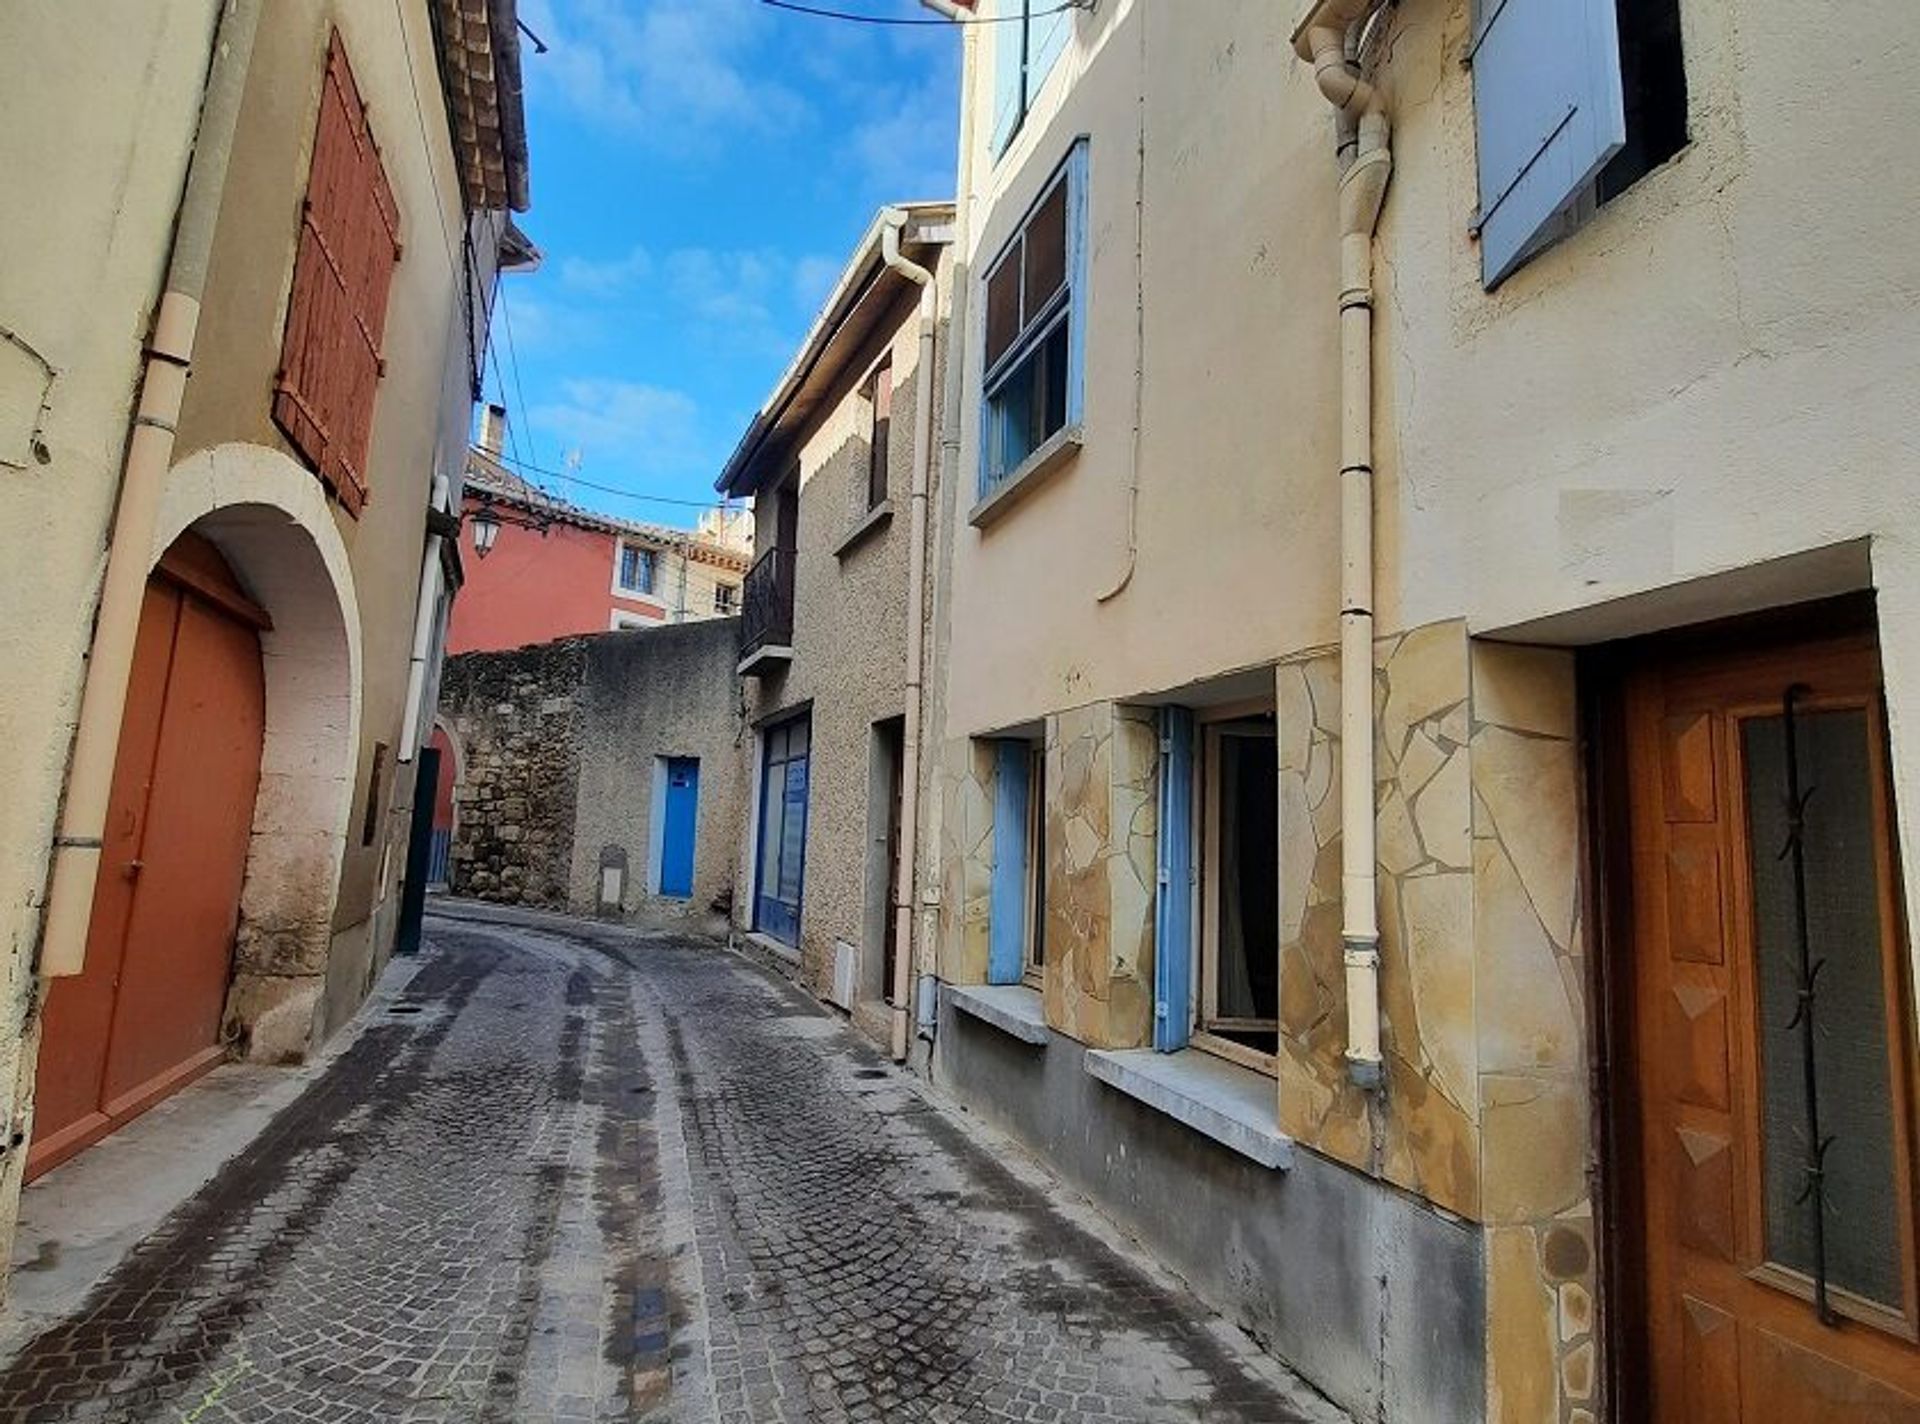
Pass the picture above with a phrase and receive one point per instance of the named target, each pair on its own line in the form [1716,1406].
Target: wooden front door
[144,1018]
[1772,1057]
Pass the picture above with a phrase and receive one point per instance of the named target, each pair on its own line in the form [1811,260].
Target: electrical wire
[513,364]
[822,12]
[526,468]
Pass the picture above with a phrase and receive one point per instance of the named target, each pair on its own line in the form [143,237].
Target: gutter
[1330,39]
[856,280]
[163,381]
[893,223]
[425,609]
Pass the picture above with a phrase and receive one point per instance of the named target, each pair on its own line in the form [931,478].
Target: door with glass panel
[782,852]
[1772,1049]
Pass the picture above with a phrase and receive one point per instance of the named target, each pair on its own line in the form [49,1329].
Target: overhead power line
[527,467]
[854,17]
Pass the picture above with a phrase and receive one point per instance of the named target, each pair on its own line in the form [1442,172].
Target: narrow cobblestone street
[573,1172]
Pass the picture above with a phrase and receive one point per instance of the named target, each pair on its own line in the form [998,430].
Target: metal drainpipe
[1330,40]
[163,382]
[425,609]
[906,881]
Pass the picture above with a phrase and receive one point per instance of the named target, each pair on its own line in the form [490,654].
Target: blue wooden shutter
[1077,178]
[1549,111]
[1008,81]
[1007,896]
[1047,36]
[1173,904]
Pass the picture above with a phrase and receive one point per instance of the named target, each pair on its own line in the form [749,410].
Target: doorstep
[1234,1106]
[1014,1009]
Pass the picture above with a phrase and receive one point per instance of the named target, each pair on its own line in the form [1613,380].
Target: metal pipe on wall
[905,879]
[163,382]
[1330,39]
[425,611]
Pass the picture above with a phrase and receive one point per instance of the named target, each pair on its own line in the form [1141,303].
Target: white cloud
[670,73]
[609,278]
[650,430]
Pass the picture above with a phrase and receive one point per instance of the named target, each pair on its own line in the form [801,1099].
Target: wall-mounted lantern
[486,529]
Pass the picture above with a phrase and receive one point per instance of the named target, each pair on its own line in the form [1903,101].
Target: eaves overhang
[860,301]
[479,51]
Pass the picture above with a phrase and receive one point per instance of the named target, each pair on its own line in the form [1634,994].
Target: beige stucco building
[1609,488]
[841,465]
[270,199]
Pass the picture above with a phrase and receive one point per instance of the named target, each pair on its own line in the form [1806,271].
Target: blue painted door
[784,769]
[677,836]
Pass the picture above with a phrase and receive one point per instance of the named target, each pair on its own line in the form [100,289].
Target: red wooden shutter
[330,364]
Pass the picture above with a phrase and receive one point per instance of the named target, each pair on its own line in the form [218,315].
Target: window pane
[799,735]
[1053,404]
[1046,251]
[1248,933]
[1844,932]
[1037,854]
[880,435]
[773,805]
[793,831]
[1003,305]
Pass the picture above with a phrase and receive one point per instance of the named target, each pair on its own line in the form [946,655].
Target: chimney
[493,430]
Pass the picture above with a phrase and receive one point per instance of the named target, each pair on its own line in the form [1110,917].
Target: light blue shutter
[1077,178]
[1007,78]
[1549,111]
[1007,896]
[1173,904]
[1047,40]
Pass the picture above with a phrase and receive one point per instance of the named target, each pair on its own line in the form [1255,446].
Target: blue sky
[701,170]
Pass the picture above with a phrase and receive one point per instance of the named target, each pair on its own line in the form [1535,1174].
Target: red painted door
[144,1018]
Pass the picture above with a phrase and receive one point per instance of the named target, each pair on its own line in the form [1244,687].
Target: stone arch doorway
[244,537]
[144,1019]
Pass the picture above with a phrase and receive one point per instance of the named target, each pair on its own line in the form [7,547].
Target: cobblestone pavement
[583,1173]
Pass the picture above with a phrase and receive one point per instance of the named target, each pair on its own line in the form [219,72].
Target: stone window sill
[1054,454]
[875,519]
[1014,1009]
[1235,1106]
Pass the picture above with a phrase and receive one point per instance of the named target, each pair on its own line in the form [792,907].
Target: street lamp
[486,529]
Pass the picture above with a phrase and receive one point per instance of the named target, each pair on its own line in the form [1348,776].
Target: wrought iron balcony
[766,611]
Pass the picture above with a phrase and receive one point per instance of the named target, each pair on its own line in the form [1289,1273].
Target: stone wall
[645,696]
[562,755]
[517,716]
[1482,980]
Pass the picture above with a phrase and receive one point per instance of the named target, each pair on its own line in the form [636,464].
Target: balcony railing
[766,603]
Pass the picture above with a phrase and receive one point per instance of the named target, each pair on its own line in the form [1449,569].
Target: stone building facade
[830,462]
[182,172]
[563,749]
[1601,572]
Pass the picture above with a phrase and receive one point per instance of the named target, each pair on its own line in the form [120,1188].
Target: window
[879,395]
[1240,889]
[725,599]
[1220,826]
[1028,40]
[782,850]
[1574,102]
[622,621]
[1036,916]
[636,569]
[1017,893]
[1034,338]
[330,364]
